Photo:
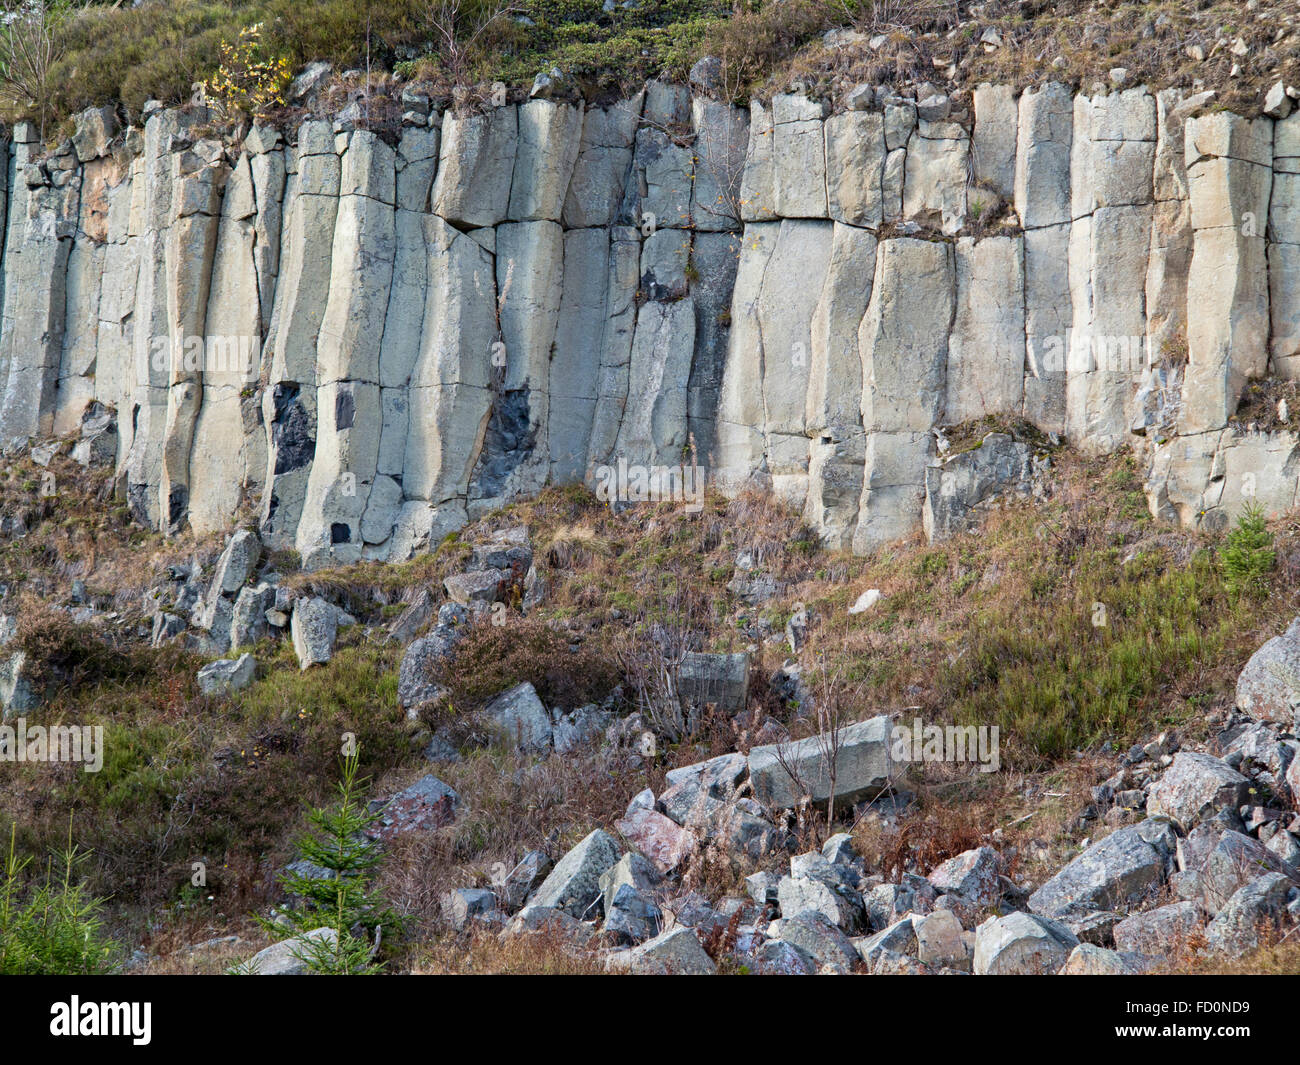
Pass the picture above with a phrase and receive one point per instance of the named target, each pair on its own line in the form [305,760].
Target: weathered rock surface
[224,677]
[862,764]
[573,886]
[1021,944]
[700,270]
[1126,867]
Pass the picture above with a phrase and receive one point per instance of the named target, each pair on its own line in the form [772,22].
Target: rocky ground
[542,811]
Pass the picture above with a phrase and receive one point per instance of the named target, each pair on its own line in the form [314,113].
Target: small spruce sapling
[338,893]
[1248,555]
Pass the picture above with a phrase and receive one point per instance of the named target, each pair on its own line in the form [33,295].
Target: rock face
[558,289]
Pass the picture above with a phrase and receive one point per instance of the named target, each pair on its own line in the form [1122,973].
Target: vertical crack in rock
[376,343]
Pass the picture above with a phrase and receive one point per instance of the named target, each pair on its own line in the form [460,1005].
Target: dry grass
[541,953]
[1279,955]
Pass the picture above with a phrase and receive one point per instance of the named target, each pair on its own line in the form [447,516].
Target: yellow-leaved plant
[250,80]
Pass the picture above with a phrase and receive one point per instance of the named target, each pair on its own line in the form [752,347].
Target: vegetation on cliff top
[101,52]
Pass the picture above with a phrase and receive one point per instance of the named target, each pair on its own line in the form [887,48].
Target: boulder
[891,963]
[574,884]
[1195,786]
[1246,917]
[314,627]
[95,128]
[631,916]
[228,675]
[886,903]
[248,622]
[775,957]
[721,679]
[1088,959]
[1021,944]
[519,716]
[1235,861]
[898,938]
[416,684]
[463,905]
[1158,931]
[424,806]
[974,875]
[673,953]
[1119,871]
[813,933]
[466,588]
[547,919]
[1268,689]
[514,887]
[940,941]
[662,841]
[286,957]
[97,445]
[695,790]
[797,894]
[632,870]
[237,562]
[862,767]
[413,618]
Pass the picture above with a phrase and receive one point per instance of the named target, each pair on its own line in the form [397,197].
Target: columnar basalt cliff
[365,341]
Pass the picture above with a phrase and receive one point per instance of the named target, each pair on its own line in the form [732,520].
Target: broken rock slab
[314,627]
[228,675]
[862,762]
[1118,872]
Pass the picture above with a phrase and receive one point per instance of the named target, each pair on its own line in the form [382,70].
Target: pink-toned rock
[425,805]
[659,839]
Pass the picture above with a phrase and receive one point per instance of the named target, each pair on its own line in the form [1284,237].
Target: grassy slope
[994,628]
[161,48]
